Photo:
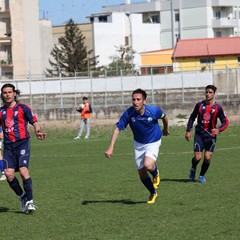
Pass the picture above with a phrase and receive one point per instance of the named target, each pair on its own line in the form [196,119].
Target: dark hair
[8,85]
[140,91]
[17,91]
[84,98]
[211,87]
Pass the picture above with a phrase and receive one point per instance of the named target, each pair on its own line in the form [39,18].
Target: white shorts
[142,150]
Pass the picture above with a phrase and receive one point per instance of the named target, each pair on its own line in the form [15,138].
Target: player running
[143,121]
[206,131]
[14,118]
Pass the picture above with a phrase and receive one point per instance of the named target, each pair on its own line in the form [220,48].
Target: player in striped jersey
[14,119]
[206,131]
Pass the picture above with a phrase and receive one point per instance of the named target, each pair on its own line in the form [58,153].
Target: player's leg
[150,159]
[24,158]
[147,182]
[209,149]
[80,129]
[88,128]
[139,152]
[10,164]
[198,149]
[3,177]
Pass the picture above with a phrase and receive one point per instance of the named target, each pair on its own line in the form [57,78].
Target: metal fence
[66,92]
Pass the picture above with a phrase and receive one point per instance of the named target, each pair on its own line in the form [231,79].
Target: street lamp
[131,40]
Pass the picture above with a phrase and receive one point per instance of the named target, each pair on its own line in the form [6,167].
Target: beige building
[21,51]
[85,28]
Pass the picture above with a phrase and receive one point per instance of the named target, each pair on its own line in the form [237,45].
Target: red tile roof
[207,47]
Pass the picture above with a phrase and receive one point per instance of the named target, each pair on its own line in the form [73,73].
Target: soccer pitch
[80,194]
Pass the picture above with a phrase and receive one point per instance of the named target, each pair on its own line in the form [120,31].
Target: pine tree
[70,55]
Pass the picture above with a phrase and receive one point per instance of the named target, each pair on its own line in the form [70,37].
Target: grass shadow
[3,209]
[176,180]
[123,201]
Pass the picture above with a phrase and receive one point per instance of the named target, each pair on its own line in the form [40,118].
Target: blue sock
[149,185]
[155,172]
[27,185]
[14,184]
[1,166]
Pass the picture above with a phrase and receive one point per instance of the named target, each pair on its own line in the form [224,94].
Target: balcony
[229,3]
[224,23]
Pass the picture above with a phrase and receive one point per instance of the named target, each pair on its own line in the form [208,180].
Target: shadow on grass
[3,209]
[124,201]
[175,180]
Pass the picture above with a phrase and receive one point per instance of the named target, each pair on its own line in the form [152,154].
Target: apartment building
[153,25]
[22,51]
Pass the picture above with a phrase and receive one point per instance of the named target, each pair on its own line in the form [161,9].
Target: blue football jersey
[145,128]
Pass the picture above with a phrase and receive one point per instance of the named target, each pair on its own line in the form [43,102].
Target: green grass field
[80,194]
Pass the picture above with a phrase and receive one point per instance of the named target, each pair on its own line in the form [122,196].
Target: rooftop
[207,47]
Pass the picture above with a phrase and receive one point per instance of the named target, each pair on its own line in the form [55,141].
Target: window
[207,60]
[177,17]
[155,19]
[218,14]
[126,41]
[102,19]
[218,34]
[238,58]
[151,17]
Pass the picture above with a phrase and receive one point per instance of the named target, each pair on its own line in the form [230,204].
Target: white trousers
[83,122]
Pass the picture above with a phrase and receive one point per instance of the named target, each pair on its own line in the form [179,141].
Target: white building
[152,25]
[112,30]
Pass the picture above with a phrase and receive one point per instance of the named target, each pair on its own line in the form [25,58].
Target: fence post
[91,85]
[237,78]
[44,93]
[152,86]
[122,88]
[60,76]
[75,92]
[227,68]
[105,82]
[182,85]
[30,89]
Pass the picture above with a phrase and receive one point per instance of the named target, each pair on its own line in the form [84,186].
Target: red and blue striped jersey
[14,121]
[207,118]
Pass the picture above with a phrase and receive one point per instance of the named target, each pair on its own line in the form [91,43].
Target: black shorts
[17,154]
[203,142]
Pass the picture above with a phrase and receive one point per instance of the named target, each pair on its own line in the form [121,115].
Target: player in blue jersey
[143,121]
[207,112]
[14,119]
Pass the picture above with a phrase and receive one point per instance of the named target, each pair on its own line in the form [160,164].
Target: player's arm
[224,123]
[165,126]
[115,134]
[1,140]
[39,134]
[188,135]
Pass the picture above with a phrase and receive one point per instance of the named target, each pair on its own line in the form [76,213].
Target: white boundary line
[116,155]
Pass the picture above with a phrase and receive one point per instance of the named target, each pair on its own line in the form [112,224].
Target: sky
[60,11]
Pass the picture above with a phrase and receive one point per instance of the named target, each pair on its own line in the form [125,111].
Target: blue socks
[1,166]
[27,185]
[149,185]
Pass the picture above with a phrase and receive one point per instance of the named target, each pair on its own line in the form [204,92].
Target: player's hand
[165,132]
[214,132]
[188,136]
[41,136]
[108,153]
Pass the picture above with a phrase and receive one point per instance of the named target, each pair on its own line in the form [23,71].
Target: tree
[121,61]
[70,55]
